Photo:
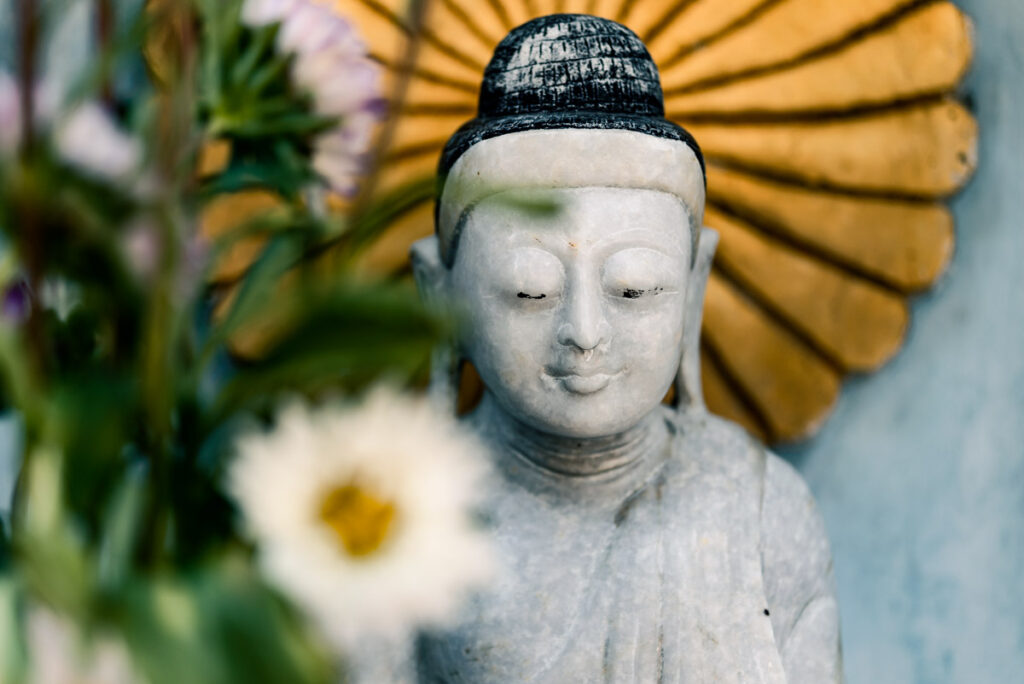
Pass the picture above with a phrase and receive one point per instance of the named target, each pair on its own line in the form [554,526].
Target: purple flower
[331,63]
[17,302]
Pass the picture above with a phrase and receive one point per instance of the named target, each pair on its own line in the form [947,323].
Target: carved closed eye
[530,275]
[639,273]
[638,292]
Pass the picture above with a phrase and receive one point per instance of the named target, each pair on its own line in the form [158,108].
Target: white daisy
[362,514]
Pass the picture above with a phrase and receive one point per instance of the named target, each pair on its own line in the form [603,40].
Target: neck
[574,457]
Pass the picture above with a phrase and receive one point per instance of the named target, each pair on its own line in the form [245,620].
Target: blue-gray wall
[920,472]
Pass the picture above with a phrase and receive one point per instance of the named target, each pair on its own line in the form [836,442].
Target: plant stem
[33,242]
[104,37]
[28,32]
[174,159]
[416,16]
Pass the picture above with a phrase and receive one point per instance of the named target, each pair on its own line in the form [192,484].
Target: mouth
[578,382]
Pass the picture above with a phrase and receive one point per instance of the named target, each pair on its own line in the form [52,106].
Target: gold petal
[784,31]
[923,151]
[225,213]
[423,95]
[385,37]
[673,29]
[605,8]
[907,245]
[424,131]
[789,384]
[253,340]
[463,21]
[926,52]
[538,8]
[722,400]
[581,7]
[383,24]
[856,323]
[401,170]
[519,11]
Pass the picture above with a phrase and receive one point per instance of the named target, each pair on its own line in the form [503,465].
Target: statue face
[576,315]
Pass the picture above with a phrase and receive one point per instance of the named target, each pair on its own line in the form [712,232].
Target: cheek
[505,343]
[651,341]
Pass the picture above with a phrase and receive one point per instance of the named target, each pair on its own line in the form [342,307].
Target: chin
[586,417]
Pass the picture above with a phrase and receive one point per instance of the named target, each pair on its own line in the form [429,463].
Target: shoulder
[796,559]
[792,529]
[714,444]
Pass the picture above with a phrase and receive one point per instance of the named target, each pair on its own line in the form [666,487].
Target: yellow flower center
[359,519]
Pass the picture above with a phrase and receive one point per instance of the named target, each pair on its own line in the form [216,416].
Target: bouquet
[224,470]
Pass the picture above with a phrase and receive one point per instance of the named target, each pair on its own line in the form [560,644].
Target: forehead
[579,218]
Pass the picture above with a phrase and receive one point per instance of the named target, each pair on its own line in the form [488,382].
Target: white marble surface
[640,543]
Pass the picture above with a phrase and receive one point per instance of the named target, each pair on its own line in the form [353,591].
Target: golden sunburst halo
[833,136]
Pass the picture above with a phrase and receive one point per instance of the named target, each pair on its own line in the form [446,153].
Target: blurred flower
[332,64]
[86,137]
[261,12]
[141,249]
[58,656]
[10,114]
[60,296]
[15,303]
[362,514]
[141,245]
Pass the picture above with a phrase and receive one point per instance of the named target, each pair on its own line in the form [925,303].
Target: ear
[688,383]
[432,281]
[428,270]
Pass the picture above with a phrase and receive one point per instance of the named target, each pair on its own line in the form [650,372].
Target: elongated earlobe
[432,281]
[688,383]
[428,270]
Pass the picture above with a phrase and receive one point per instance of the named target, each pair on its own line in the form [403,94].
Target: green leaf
[260,284]
[341,337]
[13,657]
[290,123]
[121,530]
[50,555]
[387,209]
[219,624]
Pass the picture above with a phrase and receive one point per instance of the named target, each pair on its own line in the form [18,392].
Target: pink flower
[332,65]
[261,12]
[85,137]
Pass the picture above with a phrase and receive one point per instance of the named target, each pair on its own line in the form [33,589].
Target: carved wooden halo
[832,139]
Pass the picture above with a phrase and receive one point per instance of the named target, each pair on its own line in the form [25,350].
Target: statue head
[568,219]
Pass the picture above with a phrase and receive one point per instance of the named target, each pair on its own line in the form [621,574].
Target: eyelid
[529,274]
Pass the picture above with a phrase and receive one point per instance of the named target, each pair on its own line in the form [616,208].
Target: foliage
[117,361]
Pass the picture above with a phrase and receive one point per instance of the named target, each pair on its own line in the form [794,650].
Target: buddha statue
[640,541]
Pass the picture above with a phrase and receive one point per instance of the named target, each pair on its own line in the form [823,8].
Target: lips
[582,382]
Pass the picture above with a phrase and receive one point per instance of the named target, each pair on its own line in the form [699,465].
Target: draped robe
[707,563]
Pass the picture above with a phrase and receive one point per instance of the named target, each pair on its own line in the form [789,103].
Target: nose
[584,325]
